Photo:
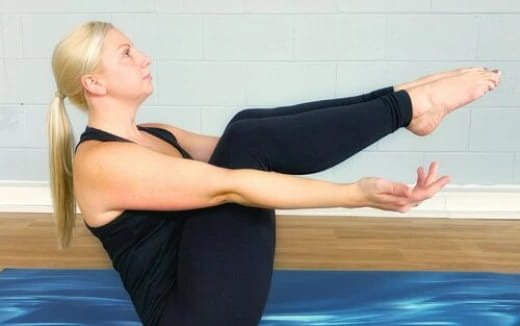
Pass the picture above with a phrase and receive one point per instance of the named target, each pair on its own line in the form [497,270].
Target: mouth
[149,76]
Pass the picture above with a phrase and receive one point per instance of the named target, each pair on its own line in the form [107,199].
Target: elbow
[225,191]
[221,199]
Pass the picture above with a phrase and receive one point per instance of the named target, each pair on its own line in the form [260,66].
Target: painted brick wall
[214,58]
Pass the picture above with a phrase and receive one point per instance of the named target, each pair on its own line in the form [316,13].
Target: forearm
[276,190]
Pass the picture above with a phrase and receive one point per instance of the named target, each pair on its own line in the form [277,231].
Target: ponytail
[77,54]
[61,151]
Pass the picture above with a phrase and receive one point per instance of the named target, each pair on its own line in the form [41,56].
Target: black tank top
[143,244]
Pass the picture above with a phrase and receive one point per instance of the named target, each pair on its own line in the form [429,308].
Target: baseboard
[454,201]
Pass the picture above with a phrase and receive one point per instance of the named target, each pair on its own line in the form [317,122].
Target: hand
[386,195]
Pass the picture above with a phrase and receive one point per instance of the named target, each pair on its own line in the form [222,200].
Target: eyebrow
[124,45]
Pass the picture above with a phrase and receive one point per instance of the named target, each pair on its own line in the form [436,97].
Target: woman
[188,220]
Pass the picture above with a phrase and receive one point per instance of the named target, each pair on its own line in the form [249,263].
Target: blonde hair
[77,54]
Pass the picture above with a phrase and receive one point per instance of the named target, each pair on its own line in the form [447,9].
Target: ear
[93,85]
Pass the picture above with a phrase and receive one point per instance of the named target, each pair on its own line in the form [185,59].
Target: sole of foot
[432,101]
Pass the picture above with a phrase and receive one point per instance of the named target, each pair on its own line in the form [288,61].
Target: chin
[149,91]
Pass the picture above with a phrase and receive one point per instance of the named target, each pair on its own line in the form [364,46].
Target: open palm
[387,195]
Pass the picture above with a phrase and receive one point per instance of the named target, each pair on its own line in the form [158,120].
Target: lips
[148,76]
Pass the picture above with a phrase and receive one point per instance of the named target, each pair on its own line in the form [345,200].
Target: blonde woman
[188,220]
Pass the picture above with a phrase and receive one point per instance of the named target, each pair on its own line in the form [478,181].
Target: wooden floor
[303,242]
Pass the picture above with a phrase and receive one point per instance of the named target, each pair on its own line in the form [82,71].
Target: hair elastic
[60,95]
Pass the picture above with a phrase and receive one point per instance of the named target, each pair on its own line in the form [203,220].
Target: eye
[127,52]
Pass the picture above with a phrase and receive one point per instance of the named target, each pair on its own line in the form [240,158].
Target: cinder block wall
[214,58]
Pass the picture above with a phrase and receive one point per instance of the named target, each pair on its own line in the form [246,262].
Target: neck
[115,117]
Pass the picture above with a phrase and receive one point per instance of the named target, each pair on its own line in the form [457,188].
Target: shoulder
[92,150]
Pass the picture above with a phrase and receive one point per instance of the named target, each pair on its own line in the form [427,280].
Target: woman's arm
[157,181]
[275,190]
[269,189]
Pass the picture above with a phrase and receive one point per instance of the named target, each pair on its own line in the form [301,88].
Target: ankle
[420,101]
[405,107]
[403,86]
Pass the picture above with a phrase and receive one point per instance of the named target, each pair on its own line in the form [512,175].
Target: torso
[92,211]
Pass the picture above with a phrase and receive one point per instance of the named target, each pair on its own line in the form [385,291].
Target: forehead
[115,38]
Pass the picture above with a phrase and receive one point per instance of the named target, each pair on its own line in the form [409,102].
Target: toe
[491,75]
[491,84]
[495,78]
[488,79]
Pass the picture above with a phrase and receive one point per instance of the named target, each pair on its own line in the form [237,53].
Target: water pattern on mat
[317,298]
[393,298]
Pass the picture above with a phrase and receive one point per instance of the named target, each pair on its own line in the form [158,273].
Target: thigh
[225,257]
[224,269]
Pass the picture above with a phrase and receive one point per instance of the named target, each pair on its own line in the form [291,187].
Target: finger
[432,173]
[422,193]
[439,184]
[444,181]
[420,176]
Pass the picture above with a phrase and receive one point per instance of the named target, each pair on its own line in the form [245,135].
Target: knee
[240,146]
[244,114]
[244,134]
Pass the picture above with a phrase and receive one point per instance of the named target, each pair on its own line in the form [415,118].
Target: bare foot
[431,102]
[436,76]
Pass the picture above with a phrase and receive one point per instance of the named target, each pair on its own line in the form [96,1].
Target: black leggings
[226,252]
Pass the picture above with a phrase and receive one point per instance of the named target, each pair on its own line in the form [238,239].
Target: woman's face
[124,68]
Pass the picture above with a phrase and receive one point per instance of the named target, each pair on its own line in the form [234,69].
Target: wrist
[354,196]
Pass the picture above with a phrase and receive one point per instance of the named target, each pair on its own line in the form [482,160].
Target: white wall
[213,58]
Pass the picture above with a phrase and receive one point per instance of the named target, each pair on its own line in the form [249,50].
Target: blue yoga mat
[97,297]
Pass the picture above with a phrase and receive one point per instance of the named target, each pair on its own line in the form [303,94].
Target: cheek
[125,75]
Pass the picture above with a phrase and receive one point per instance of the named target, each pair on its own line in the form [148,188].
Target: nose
[146,60]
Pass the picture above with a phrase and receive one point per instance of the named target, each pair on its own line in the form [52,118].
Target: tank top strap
[91,133]
[98,134]
[167,137]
